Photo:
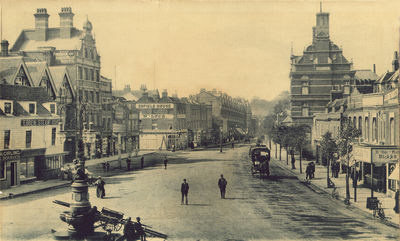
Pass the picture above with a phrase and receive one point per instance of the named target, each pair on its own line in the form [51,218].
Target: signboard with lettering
[156,116]
[39,122]
[10,155]
[154,106]
[385,155]
[362,153]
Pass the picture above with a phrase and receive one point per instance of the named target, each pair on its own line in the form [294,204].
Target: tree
[328,149]
[347,137]
[299,139]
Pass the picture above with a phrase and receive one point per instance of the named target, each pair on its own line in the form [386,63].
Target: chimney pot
[4,48]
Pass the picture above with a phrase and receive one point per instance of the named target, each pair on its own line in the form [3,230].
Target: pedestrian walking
[100,191]
[309,171]
[222,186]
[184,191]
[396,202]
[312,164]
[293,159]
[233,145]
[128,163]
[129,230]
[165,163]
[139,229]
[142,162]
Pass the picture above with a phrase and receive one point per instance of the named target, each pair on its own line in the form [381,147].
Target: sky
[239,47]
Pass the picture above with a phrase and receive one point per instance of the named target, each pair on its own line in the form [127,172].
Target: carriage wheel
[117,227]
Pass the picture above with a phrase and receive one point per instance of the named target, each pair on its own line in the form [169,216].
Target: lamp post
[220,139]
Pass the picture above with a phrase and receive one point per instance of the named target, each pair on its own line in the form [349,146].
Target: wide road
[278,208]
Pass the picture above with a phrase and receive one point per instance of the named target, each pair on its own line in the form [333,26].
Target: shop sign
[385,155]
[154,106]
[39,122]
[11,155]
[156,116]
[361,153]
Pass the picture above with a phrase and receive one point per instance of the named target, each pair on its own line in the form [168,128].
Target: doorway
[13,167]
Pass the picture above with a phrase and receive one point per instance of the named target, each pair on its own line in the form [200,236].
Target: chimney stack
[374,69]
[4,48]
[41,24]
[395,62]
[66,22]
[164,93]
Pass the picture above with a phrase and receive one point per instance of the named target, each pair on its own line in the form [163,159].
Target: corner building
[322,72]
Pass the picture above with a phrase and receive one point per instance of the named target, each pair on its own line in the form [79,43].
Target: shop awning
[395,174]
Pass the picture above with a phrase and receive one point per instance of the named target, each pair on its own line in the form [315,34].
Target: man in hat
[129,230]
[184,191]
[128,163]
[222,186]
[100,191]
[139,229]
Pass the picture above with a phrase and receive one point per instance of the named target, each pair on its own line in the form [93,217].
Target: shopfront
[9,165]
[377,163]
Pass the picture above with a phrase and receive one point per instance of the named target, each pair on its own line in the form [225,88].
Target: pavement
[92,165]
[319,185]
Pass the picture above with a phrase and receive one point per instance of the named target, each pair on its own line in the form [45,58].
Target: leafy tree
[328,149]
[348,136]
[299,139]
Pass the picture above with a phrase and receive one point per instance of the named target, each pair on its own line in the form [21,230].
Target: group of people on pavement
[134,230]
[222,183]
[310,170]
[335,169]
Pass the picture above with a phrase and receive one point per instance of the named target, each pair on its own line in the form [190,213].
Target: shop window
[53,136]
[28,139]
[7,107]
[2,169]
[27,167]
[32,108]
[7,136]
[52,108]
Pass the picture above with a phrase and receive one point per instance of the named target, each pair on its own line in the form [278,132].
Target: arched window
[392,133]
[374,130]
[360,124]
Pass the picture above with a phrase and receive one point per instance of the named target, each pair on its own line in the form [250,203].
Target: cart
[260,157]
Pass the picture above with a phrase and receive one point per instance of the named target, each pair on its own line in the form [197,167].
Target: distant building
[76,50]
[233,115]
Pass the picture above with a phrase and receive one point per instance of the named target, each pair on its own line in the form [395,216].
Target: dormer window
[52,108]
[18,81]
[32,108]
[7,107]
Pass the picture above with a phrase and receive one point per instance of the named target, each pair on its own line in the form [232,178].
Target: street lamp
[220,139]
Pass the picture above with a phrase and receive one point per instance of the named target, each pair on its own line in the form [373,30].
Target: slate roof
[365,76]
[384,78]
[26,40]
[36,70]
[8,69]
[24,93]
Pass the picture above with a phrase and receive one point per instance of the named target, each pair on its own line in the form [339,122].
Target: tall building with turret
[321,74]
[76,50]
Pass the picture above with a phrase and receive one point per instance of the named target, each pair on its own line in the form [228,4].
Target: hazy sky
[240,47]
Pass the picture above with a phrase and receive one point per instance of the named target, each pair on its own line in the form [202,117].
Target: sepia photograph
[211,120]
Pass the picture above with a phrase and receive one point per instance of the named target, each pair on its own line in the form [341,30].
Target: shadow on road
[199,205]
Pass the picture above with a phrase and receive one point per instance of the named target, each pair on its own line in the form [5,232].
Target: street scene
[199,120]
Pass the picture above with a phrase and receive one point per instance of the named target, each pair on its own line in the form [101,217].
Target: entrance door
[13,173]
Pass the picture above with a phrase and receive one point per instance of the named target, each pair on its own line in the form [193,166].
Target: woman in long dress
[100,191]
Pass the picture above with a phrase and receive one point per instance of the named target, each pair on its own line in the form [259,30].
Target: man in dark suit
[184,191]
[222,186]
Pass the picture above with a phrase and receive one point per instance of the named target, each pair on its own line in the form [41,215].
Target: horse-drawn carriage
[260,157]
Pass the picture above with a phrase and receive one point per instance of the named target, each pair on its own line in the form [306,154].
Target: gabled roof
[394,77]
[58,73]
[37,70]
[9,68]
[384,78]
[26,40]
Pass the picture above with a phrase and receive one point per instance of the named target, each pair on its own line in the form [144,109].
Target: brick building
[76,50]
[320,73]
